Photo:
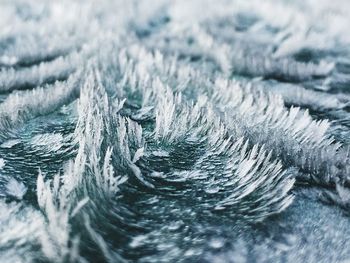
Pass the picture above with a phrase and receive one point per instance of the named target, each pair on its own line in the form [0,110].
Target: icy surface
[174,131]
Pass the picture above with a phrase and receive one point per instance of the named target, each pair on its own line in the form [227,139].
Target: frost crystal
[183,131]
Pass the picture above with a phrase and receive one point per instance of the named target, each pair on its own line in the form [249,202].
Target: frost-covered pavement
[182,131]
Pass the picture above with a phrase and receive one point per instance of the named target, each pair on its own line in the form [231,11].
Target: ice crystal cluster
[174,131]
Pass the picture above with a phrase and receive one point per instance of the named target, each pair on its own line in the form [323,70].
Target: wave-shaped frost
[185,127]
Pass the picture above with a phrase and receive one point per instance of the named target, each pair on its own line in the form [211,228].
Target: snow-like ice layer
[186,139]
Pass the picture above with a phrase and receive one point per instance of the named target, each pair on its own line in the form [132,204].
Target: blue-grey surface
[174,131]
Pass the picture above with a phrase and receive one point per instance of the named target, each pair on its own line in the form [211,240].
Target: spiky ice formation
[170,131]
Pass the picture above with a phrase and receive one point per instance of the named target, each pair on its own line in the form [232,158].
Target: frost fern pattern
[155,131]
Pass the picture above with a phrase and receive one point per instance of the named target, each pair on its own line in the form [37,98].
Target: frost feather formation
[176,115]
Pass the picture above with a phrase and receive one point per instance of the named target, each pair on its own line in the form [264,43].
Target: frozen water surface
[182,131]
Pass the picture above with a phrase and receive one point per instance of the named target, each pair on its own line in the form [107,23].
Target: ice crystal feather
[170,132]
[252,108]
